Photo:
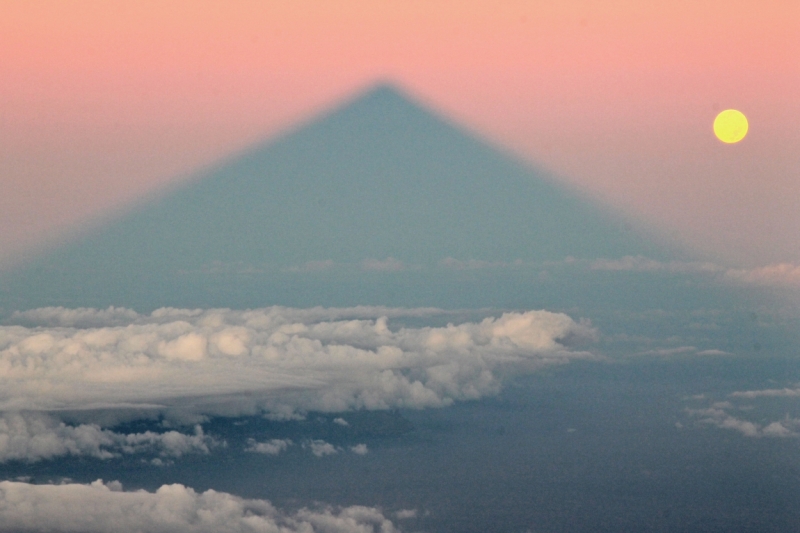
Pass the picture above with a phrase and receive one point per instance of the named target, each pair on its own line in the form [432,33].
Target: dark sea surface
[589,446]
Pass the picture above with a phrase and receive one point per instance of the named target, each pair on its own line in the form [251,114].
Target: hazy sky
[104,100]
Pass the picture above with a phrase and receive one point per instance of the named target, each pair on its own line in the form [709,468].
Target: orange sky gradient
[101,102]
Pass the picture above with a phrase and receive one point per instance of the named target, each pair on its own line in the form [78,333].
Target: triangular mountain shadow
[292,222]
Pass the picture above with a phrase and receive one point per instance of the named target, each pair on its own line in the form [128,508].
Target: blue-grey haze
[380,177]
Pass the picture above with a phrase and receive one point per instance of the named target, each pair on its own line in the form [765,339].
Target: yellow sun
[730,126]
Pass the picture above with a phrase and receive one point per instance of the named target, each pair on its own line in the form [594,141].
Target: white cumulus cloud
[102,507]
[320,448]
[35,436]
[270,447]
[359,449]
[188,363]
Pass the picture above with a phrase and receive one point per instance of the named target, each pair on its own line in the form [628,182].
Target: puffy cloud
[169,444]
[35,436]
[320,448]
[360,449]
[101,507]
[185,363]
[32,438]
[780,429]
[270,447]
[341,421]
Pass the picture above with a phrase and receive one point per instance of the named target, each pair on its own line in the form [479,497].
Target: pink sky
[102,101]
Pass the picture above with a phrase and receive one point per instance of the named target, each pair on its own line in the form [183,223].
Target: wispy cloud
[679,350]
[781,274]
[234,268]
[718,416]
[683,350]
[644,264]
[713,352]
[86,317]
[477,264]
[775,275]
[313,266]
[768,393]
[405,514]
[728,415]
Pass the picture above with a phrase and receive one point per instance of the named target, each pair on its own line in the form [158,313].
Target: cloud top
[101,507]
[283,361]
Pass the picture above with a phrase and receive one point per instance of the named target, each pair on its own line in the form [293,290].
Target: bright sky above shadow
[102,102]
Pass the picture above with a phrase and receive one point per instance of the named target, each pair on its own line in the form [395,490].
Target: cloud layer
[644,264]
[786,275]
[780,275]
[101,507]
[34,436]
[186,363]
